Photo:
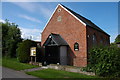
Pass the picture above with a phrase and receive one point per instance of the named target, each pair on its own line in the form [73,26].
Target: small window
[59,10]
[94,39]
[76,46]
[59,18]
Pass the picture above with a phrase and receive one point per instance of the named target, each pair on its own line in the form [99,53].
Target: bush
[117,39]
[105,61]
[23,50]
[11,36]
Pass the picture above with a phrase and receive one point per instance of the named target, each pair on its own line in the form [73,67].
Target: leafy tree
[117,40]
[11,36]
[23,50]
[4,37]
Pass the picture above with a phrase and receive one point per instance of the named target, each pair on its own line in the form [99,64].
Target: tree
[23,51]
[4,34]
[117,39]
[11,36]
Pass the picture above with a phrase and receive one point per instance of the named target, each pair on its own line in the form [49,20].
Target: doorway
[55,50]
[52,54]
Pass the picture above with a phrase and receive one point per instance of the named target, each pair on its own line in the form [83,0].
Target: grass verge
[51,73]
[0,61]
[13,63]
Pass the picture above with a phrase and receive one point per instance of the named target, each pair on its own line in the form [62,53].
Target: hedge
[105,61]
[23,50]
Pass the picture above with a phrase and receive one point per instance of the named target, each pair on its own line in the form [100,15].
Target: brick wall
[99,36]
[72,31]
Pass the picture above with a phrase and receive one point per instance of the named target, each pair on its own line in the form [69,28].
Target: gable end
[66,11]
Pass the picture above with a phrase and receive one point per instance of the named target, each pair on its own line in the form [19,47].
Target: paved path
[33,69]
[9,73]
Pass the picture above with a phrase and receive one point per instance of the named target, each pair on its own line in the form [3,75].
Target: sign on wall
[33,51]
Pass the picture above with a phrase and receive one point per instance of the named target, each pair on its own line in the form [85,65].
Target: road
[9,73]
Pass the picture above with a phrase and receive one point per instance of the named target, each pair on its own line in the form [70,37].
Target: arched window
[76,46]
[59,18]
[94,39]
[102,40]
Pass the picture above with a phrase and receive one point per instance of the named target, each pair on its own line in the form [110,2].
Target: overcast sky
[32,16]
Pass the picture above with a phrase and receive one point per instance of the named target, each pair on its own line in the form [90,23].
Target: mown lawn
[51,73]
[0,61]
[13,63]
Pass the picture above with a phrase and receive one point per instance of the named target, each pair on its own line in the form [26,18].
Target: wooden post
[35,59]
[31,59]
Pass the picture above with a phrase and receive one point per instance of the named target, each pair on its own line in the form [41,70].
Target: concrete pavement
[9,73]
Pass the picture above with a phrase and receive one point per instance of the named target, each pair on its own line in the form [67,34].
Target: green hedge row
[105,61]
[23,50]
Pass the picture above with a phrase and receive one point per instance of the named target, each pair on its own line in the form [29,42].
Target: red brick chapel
[68,36]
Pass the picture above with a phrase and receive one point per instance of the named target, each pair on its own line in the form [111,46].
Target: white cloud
[47,12]
[2,20]
[30,18]
[112,38]
[35,8]
[25,5]
[27,33]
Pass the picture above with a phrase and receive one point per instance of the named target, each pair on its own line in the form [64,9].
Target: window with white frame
[76,46]
[59,9]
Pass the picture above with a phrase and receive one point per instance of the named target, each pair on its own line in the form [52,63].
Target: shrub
[117,39]
[105,61]
[23,50]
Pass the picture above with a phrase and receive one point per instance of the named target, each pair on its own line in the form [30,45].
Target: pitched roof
[56,39]
[83,19]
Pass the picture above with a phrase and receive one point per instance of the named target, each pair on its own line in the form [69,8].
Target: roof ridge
[85,20]
[73,11]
